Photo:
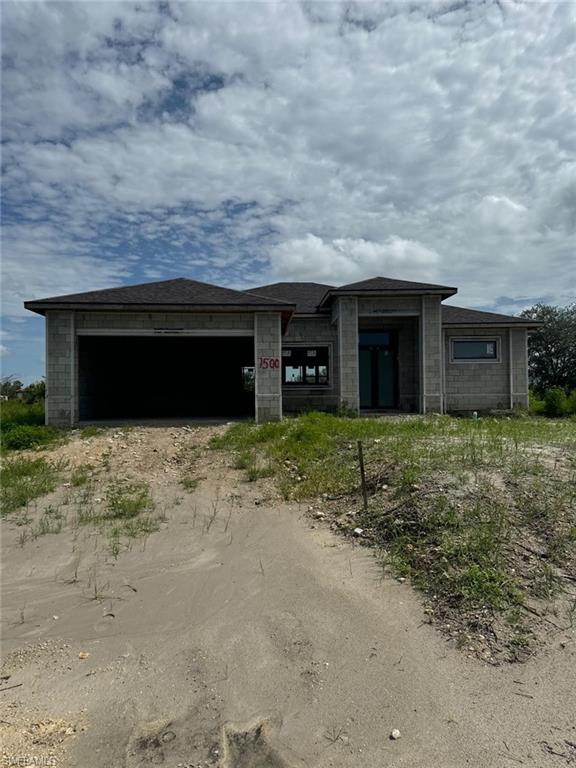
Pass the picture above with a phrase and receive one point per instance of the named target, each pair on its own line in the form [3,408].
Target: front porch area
[388,365]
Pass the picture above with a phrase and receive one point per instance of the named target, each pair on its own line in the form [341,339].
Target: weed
[126,500]
[141,526]
[80,475]
[545,582]
[24,479]
[90,431]
[243,460]
[334,734]
[114,545]
[87,515]
[190,483]
[22,519]
[51,521]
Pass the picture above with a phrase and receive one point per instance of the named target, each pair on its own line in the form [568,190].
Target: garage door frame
[156,332]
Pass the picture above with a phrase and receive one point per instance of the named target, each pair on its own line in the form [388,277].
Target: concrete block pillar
[346,314]
[61,369]
[268,362]
[431,362]
[518,341]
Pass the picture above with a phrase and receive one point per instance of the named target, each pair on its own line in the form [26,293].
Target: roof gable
[389,284]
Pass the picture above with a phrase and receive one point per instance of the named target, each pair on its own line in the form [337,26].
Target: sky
[244,143]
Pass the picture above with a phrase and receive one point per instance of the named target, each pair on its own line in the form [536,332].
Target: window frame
[476,360]
[304,384]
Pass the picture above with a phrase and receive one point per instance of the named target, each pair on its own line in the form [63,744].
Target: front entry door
[377,360]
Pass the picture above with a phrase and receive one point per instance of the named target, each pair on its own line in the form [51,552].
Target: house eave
[493,324]
[390,293]
[42,307]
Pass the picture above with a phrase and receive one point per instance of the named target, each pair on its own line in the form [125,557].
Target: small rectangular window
[474,349]
[306,366]
[248,378]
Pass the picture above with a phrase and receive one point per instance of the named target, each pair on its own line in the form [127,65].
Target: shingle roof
[388,284]
[306,296]
[180,291]
[461,316]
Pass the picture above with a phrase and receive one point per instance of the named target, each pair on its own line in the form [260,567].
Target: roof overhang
[529,324]
[390,293]
[42,307]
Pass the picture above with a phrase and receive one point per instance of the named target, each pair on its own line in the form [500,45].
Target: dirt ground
[244,634]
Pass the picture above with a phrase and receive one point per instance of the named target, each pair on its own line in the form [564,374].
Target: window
[248,378]
[307,366]
[476,349]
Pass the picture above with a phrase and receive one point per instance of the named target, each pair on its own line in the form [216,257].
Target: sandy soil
[244,634]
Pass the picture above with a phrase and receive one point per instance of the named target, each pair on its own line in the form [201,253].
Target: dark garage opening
[137,377]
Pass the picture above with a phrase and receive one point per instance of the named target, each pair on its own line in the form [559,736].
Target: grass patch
[23,427]
[479,514]
[126,500]
[23,437]
[126,512]
[15,412]
[90,431]
[24,479]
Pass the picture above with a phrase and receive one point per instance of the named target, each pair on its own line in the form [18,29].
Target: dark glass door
[377,364]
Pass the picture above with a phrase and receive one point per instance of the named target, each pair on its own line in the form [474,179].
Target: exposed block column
[61,367]
[431,355]
[347,313]
[519,367]
[268,362]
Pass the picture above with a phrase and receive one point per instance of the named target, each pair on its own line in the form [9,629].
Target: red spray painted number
[268,362]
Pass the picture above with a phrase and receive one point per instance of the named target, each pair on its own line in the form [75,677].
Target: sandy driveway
[237,635]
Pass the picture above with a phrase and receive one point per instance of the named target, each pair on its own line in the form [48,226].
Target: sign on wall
[268,362]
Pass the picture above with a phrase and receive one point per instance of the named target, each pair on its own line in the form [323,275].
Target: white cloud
[346,260]
[33,266]
[501,213]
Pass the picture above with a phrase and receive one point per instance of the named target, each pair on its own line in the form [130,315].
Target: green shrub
[17,412]
[19,437]
[555,402]
[572,402]
[536,404]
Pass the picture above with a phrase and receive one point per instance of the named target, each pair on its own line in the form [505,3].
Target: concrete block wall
[475,386]
[389,304]
[61,363]
[432,400]
[408,364]
[347,314]
[268,382]
[313,332]
[137,321]
[518,340]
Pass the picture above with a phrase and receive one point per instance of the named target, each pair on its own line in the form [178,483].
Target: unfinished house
[182,348]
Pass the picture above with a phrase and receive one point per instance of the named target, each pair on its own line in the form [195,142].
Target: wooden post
[362,475]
